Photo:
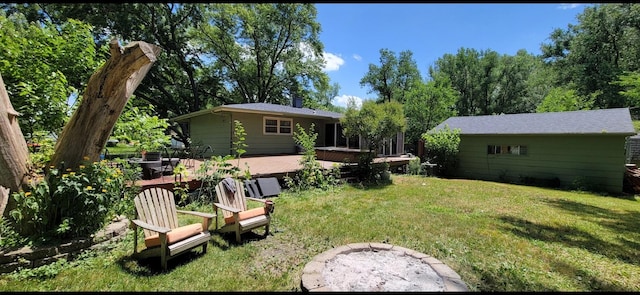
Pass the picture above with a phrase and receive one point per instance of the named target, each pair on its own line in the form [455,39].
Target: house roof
[609,121]
[265,108]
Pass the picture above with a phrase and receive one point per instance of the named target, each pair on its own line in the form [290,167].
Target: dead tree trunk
[14,155]
[102,103]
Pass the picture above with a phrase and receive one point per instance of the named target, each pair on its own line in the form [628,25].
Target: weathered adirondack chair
[237,217]
[157,216]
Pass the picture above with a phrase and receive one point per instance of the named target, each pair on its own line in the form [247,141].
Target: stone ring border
[313,281]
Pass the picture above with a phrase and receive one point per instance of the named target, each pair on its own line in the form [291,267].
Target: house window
[506,150]
[278,126]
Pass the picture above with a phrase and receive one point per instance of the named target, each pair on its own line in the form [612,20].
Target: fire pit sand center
[378,267]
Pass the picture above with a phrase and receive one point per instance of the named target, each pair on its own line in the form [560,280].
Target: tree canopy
[43,65]
[374,122]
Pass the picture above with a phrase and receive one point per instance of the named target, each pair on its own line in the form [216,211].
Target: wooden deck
[262,166]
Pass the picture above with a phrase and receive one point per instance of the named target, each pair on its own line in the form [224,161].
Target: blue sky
[353,34]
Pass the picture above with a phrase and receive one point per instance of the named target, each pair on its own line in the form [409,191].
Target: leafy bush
[145,131]
[414,167]
[312,174]
[41,148]
[370,173]
[69,204]
[442,149]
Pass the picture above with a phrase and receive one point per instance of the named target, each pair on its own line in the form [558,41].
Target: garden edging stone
[27,257]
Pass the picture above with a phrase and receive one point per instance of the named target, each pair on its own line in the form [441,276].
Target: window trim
[278,125]
[504,149]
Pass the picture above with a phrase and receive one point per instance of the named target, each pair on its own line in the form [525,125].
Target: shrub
[69,204]
[370,173]
[312,174]
[414,167]
[442,149]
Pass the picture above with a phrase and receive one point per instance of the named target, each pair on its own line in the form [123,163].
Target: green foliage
[394,78]
[239,137]
[250,41]
[42,65]
[442,149]
[68,204]
[211,172]
[369,173]
[593,53]
[562,99]
[374,122]
[11,238]
[427,105]
[488,83]
[414,167]
[41,148]
[312,174]
[145,131]
[631,83]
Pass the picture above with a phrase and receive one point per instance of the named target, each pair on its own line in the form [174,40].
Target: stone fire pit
[378,267]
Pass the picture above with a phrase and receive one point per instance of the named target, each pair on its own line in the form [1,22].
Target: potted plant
[151,146]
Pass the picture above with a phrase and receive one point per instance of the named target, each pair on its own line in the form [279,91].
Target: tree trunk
[102,103]
[14,155]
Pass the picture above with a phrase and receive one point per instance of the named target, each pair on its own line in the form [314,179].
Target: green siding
[259,143]
[214,130]
[593,159]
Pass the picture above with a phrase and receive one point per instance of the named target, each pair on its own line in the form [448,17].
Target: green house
[270,129]
[577,148]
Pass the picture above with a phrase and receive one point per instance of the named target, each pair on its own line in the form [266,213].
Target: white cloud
[332,62]
[342,100]
[357,57]
[569,6]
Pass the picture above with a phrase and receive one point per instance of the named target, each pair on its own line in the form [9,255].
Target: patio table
[150,169]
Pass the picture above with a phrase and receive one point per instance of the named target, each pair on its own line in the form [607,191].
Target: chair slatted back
[227,198]
[156,206]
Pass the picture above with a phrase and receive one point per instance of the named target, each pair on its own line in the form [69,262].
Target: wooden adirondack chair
[237,217]
[157,216]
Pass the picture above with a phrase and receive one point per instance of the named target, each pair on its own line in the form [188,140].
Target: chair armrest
[201,214]
[158,229]
[227,208]
[256,199]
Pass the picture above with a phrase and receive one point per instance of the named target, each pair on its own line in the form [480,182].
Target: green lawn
[121,150]
[497,237]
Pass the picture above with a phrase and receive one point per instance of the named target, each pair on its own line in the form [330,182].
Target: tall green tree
[394,78]
[464,71]
[427,105]
[514,92]
[630,81]
[374,122]
[264,52]
[489,83]
[596,51]
[323,96]
[562,99]
[43,65]
[177,83]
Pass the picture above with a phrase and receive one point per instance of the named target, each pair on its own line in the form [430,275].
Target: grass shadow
[226,241]
[573,237]
[620,222]
[151,266]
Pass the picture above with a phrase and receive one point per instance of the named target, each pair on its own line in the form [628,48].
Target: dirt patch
[380,271]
